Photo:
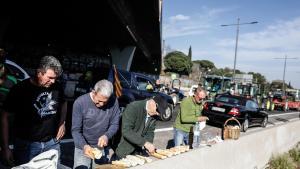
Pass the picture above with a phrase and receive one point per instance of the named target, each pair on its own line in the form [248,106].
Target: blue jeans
[83,162]
[25,150]
[180,137]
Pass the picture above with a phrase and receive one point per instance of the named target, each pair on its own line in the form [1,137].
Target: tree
[205,64]
[226,72]
[258,78]
[190,59]
[190,53]
[177,62]
[277,84]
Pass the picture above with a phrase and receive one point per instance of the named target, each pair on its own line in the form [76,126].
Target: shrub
[281,162]
[295,155]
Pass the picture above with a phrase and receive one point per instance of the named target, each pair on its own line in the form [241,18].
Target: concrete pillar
[122,58]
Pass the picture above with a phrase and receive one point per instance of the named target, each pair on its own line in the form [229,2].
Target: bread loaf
[135,159]
[156,155]
[165,152]
[120,163]
[97,153]
[147,159]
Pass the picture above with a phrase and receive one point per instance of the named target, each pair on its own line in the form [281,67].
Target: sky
[261,47]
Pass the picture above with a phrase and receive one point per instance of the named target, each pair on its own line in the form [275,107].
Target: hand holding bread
[97,153]
[93,153]
[88,151]
[150,147]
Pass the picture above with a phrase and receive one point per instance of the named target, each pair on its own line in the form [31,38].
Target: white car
[17,71]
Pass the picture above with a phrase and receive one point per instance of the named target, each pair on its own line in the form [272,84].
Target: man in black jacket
[138,125]
[39,114]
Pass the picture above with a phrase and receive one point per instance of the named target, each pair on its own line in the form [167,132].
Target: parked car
[15,70]
[245,110]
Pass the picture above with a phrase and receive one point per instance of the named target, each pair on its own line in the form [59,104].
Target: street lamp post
[236,42]
[284,69]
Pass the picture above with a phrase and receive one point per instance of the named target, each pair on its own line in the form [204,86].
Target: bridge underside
[78,29]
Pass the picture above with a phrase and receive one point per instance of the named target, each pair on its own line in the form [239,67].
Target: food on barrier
[121,163]
[97,153]
[184,148]
[175,151]
[179,149]
[165,152]
[135,159]
[131,162]
[147,159]
[156,155]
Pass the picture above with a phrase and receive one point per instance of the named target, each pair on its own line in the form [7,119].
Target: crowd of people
[33,117]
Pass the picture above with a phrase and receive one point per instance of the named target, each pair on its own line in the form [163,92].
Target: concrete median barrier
[248,152]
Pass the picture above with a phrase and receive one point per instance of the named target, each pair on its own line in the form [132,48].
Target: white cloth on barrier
[45,160]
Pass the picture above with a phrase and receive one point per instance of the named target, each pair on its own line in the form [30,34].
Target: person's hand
[102,141]
[7,157]
[150,147]
[61,131]
[202,118]
[88,151]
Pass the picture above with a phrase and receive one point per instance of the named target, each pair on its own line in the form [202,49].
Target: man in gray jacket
[95,120]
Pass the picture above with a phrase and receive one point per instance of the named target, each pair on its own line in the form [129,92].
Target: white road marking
[163,129]
[274,115]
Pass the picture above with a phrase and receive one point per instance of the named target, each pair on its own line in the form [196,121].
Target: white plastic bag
[45,160]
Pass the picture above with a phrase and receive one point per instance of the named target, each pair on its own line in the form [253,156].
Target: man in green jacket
[190,113]
[138,125]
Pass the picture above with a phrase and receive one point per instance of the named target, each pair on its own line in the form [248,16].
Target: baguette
[186,148]
[120,163]
[182,149]
[131,162]
[97,153]
[164,152]
[156,155]
[147,159]
[136,159]
[175,150]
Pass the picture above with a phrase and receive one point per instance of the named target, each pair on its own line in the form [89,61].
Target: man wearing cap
[138,125]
